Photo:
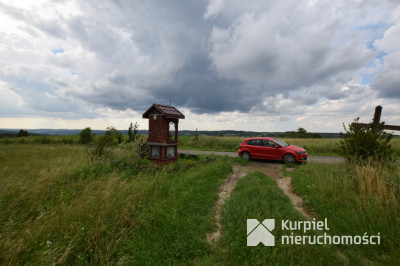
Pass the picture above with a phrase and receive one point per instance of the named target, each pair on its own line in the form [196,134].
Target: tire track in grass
[223,195]
[272,170]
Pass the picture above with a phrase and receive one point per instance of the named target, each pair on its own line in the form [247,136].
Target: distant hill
[239,133]
[248,133]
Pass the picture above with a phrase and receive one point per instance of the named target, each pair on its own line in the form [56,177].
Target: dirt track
[311,158]
[272,170]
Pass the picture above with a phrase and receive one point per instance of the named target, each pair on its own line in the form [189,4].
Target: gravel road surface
[311,158]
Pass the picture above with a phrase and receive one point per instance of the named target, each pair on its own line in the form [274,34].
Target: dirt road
[311,158]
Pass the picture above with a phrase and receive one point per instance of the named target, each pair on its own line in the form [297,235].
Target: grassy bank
[356,199]
[57,208]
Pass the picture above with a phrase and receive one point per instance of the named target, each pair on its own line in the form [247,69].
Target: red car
[271,149]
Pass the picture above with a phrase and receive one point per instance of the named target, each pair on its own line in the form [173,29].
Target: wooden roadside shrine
[375,125]
[163,132]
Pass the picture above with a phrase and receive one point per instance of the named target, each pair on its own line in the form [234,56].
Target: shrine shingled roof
[167,110]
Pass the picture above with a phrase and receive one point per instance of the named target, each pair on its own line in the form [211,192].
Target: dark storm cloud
[206,56]
[388,84]
[198,87]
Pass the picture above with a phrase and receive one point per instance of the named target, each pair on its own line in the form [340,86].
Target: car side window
[268,143]
[255,142]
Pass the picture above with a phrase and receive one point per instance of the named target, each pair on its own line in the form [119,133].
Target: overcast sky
[243,65]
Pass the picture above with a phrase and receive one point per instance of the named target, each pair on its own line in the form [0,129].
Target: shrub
[360,143]
[113,134]
[141,146]
[86,136]
[134,153]
[101,149]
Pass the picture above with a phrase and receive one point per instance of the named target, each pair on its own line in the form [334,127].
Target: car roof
[266,138]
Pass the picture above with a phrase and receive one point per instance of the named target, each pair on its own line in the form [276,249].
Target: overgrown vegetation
[356,198]
[100,150]
[360,142]
[57,208]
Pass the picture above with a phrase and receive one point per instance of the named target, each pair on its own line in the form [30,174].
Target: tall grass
[317,146]
[210,143]
[51,140]
[213,143]
[56,208]
[356,199]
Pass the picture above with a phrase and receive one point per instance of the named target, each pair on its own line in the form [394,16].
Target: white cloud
[287,50]
[255,65]
[10,101]
[213,8]
[387,80]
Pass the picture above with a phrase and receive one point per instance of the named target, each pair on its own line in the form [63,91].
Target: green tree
[23,133]
[301,133]
[360,143]
[86,136]
[132,132]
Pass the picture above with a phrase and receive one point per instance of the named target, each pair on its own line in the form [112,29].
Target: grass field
[356,199]
[322,146]
[258,197]
[56,207]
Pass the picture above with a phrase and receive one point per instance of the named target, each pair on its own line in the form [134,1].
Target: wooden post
[377,118]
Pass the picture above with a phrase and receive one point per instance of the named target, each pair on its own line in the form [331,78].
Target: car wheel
[245,155]
[289,158]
